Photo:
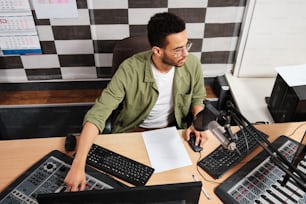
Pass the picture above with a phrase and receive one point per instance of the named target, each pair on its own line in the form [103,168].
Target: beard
[177,63]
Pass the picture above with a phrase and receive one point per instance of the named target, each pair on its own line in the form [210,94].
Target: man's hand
[75,179]
[201,136]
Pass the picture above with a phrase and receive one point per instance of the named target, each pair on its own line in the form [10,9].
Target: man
[157,88]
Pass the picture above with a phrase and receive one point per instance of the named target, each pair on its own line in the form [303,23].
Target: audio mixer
[259,181]
[47,176]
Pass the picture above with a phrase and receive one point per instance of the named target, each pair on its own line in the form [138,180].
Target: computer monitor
[182,193]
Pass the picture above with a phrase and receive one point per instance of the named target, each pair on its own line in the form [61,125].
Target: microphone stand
[276,157]
[228,132]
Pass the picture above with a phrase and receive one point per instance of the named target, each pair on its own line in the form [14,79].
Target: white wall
[274,34]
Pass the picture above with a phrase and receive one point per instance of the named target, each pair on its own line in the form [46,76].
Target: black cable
[298,127]
[198,170]
[238,122]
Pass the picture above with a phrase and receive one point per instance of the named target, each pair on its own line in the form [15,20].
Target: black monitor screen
[183,193]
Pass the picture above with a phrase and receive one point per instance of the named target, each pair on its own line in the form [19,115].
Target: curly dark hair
[161,25]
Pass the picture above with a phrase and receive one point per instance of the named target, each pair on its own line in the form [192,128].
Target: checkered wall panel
[81,48]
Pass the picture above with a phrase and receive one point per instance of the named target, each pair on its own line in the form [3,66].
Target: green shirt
[134,86]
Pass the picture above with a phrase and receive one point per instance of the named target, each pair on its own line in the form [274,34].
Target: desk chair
[124,49]
[127,47]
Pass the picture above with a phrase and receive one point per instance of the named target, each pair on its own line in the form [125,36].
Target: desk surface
[18,155]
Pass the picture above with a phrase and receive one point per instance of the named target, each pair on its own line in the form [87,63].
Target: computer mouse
[70,143]
[191,142]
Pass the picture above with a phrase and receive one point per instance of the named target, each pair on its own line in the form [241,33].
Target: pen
[203,189]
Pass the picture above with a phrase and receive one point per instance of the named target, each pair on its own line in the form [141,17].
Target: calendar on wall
[18,34]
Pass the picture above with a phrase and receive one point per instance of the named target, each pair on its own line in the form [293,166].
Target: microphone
[220,133]
[202,119]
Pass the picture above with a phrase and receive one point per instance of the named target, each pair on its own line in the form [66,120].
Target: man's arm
[196,109]
[76,177]
[200,136]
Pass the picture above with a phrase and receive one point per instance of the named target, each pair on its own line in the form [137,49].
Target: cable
[298,127]
[198,170]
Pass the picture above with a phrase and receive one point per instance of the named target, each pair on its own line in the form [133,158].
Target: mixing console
[259,181]
[47,176]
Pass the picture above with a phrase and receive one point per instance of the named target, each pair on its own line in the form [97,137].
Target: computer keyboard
[221,160]
[118,165]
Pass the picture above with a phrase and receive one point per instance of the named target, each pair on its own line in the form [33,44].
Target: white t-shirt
[162,113]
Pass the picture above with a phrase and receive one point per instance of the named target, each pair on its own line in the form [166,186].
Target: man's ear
[156,50]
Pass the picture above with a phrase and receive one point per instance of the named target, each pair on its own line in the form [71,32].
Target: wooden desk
[18,155]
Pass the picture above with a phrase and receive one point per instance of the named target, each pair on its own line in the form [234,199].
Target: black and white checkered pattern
[81,48]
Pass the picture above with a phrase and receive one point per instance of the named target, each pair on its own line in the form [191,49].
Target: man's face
[176,51]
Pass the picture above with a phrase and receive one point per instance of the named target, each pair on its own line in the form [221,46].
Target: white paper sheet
[166,149]
[294,75]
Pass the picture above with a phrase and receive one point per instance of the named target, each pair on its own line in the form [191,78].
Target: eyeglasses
[178,51]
